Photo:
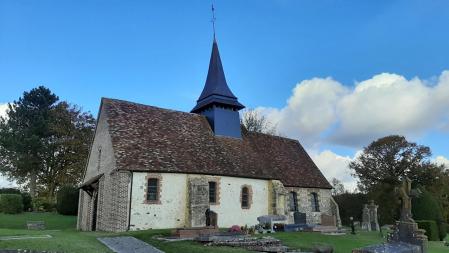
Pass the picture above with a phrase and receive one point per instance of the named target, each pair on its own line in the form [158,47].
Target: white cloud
[335,166]
[323,110]
[441,160]
[309,111]
[3,108]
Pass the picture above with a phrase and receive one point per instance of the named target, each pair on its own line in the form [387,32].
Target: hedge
[26,197]
[431,229]
[426,207]
[11,203]
[67,200]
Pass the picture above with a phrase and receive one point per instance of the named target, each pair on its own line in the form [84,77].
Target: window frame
[249,197]
[293,196]
[315,202]
[152,189]
[215,198]
[158,188]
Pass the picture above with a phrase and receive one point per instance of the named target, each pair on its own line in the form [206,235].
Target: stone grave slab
[128,244]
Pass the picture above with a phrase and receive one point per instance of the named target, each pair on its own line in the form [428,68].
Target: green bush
[26,197]
[426,207]
[431,229]
[67,200]
[43,205]
[11,203]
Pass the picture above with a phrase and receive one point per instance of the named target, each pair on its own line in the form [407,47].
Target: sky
[335,75]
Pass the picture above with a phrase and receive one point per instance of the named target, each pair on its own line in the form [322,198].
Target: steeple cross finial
[213,19]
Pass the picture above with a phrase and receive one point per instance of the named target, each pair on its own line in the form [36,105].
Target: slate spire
[216,90]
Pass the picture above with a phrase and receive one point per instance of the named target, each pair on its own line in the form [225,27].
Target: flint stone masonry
[198,201]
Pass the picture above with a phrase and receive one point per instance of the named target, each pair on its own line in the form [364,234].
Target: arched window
[245,197]
[315,202]
[153,189]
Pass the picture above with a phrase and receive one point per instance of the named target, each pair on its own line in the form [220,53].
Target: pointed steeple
[216,91]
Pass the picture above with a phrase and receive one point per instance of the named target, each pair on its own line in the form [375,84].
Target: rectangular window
[212,192]
[245,197]
[153,191]
[315,202]
[293,201]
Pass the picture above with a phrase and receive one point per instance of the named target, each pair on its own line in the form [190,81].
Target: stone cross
[406,194]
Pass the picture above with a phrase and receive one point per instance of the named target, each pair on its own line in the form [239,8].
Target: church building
[153,168]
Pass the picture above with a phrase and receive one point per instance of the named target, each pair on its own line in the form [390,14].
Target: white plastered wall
[172,212]
[229,209]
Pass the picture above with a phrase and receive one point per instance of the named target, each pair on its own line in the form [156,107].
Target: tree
[44,142]
[253,121]
[338,187]
[385,162]
[23,135]
[389,159]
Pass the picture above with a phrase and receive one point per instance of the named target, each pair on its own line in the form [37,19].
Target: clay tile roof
[147,138]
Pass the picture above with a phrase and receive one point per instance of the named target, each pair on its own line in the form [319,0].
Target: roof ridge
[145,105]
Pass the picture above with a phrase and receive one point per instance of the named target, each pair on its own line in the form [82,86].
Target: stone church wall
[113,186]
[230,211]
[173,209]
[304,196]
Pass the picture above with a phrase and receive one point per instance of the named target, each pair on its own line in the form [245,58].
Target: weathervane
[213,19]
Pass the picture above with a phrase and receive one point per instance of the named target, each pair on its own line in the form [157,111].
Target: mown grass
[66,239]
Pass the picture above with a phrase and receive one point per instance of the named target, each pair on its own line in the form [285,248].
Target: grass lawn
[67,239]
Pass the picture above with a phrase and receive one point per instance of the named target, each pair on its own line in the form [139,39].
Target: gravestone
[198,201]
[366,219]
[211,218]
[36,225]
[328,220]
[370,220]
[406,229]
[299,218]
[406,237]
[267,221]
[374,221]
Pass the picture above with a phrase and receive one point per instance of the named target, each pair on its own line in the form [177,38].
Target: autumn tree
[385,162]
[44,143]
[253,121]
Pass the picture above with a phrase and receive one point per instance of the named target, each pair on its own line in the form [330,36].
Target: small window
[315,202]
[245,197]
[153,192]
[212,192]
[293,201]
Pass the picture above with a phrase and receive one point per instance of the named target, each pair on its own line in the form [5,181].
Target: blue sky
[156,52]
